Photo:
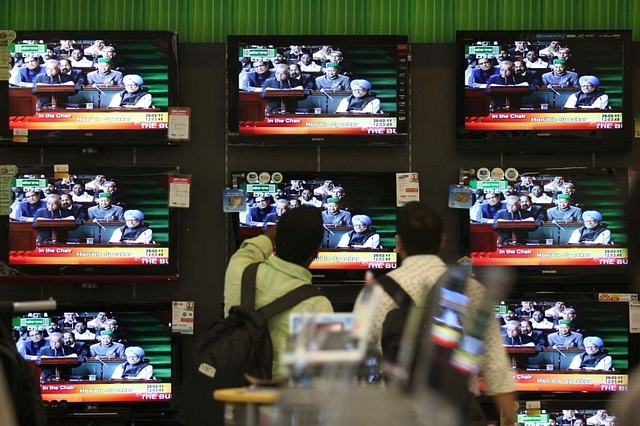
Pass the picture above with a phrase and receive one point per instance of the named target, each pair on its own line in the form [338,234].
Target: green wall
[426,21]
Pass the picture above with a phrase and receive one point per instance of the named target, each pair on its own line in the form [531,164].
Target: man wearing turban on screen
[593,357]
[104,75]
[135,231]
[133,95]
[593,231]
[361,99]
[590,96]
[136,367]
[362,236]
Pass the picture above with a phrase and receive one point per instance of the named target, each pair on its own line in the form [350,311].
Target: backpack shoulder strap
[289,300]
[393,289]
[248,289]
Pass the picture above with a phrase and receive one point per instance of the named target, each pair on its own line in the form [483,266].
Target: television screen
[83,87]
[97,359]
[532,91]
[359,212]
[570,412]
[93,222]
[318,90]
[551,222]
[569,343]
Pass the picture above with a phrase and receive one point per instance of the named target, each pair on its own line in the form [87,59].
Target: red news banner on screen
[77,120]
[120,255]
[523,120]
[106,392]
[356,125]
[533,256]
[569,382]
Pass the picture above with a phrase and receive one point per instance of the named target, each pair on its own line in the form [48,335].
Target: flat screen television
[119,225]
[551,364]
[574,96]
[314,109]
[126,105]
[553,238]
[341,259]
[88,382]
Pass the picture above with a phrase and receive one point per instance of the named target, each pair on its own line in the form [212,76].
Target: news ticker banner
[354,260]
[66,119]
[560,256]
[525,120]
[309,125]
[106,392]
[568,382]
[69,255]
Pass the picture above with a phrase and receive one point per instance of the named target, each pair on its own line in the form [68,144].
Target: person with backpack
[297,238]
[419,238]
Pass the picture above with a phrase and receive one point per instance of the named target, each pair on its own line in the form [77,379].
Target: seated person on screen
[564,337]
[512,212]
[362,236]
[526,309]
[531,77]
[96,185]
[560,77]
[490,208]
[556,311]
[95,50]
[107,348]
[533,61]
[97,323]
[593,231]
[257,215]
[539,197]
[332,80]
[509,316]
[81,332]
[550,52]
[525,185]
[27,209]
[109,52]
[134,94]
[564,211]
[611,421]
[26,75]
[306,81]
[307,65]
[104,75]
[69,321]
[361,99]
[65,48]
[307,199]
[334,216]
[294,189]
[519,50]
[32,347]
[565,54]
[555,185]
[52,75]
[78,60]
[79,195]
[479,77]
[535,211]
[570,189]
[136,367]
[281,205]
[324,53]
[281,81]
[112,325]
[105,210]
[590,96]
[594,356]
[294,203]
[117,198]
[77,76]
[514,337]
[338,58]
[135,231]
[539,322]
[293,54]
[568,417]
[339,193]
[79,348]
[526,330]
[598,418]
[69,208]
[55,350]
[17,340]
[570,314]
[324,190]
[254,81]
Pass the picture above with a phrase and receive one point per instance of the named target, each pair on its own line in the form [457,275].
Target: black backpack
[232,347]
[393,324]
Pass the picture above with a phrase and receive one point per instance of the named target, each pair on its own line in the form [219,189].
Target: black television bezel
[98,273]
[538,141]
[544,275]
[559,398]
[234,138]
[164,409]
[97,138]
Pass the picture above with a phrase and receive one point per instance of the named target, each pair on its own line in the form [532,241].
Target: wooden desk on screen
[477,101]
[252,105]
